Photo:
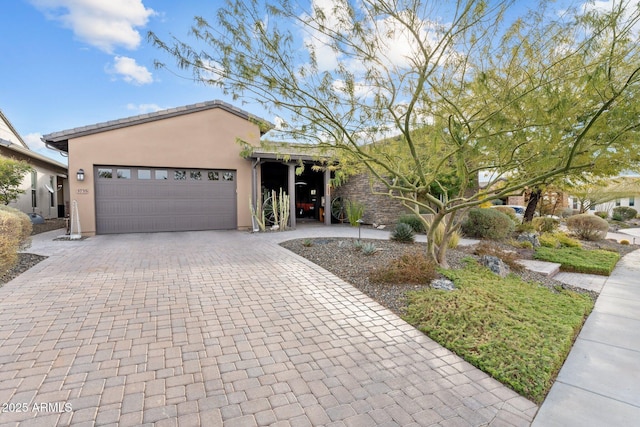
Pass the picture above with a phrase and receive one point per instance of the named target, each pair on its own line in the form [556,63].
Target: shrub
[488,224]
[525,227]
[412,267]
[355,211]
[588,227]
[416,223]
[438,237]
[403,233]
[307,243]
[625,242]
[10,230]
[624,213]
[601,214]
[545,224]
[567,241]
[358,244]
[25,228]
[548,240]
[566,213]
[510,212]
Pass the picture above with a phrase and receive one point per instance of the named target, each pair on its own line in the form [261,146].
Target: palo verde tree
[426,95]
[12,173]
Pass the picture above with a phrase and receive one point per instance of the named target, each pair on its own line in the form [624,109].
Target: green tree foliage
[425,95]
[12,173]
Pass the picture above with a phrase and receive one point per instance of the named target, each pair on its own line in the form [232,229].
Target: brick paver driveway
[213,328]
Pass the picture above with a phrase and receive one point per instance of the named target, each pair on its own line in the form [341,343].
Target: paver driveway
[206,328]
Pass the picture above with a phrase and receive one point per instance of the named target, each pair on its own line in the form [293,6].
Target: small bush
[567,241]
[10,234]
[548,240]
[488,224]
[525,227]
[412,267]
[307,243]
[588,227]
[510,212]
[438,237]
[601,214]
[358,244]
[355,211]
[545,224]
[416,223]
[25,228]
[624,213]
[625,242]
[566,213]
[403,233]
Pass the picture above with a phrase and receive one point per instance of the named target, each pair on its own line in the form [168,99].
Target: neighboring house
[180,169]
[46,187]
[628,189]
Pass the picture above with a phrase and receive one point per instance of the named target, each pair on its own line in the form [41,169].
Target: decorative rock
[495,264]
[529,237]
[443,284]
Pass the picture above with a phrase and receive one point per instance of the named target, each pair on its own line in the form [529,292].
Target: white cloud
[130,71]
[144,108]
[103,24]
[33,141]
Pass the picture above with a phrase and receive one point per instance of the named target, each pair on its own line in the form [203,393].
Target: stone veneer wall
[379,209]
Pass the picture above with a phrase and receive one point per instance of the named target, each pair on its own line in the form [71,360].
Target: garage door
[137,199]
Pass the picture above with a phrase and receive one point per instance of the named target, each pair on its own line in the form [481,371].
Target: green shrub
[307,243]
[567,241]
[548,240]
[412,267]
[488,224]
[624,213]
[545,224]
[580,260]
[510,212]
[525,227]
[566,213]
[416,223]
[10,231]
[25,228]
[358,244]
[438,236]
[625,242]
[355,211]
[403,233]
[601,214]
[588,227]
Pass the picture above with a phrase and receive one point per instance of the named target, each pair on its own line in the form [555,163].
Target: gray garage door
[137,199]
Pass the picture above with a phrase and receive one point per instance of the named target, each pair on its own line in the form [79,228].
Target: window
[213,176]
[161,174]
[632,201]
[105,173]
[227,176]
[592,208]
[196,175]
[34,189]
[617,202]
[144,174]
[124,174]
[52,194]
[179,175]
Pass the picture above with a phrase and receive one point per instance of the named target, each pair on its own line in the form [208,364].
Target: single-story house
[182,169]
[46,190]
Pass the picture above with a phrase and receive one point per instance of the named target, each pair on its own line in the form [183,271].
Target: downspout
[254,187]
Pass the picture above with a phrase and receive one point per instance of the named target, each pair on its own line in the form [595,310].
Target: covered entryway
[141,199]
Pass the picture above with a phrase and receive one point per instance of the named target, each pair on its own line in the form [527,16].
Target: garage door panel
[147,205]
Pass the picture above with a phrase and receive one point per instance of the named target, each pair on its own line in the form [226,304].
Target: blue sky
[69,63]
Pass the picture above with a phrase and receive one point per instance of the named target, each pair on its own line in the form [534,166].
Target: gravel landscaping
[339,256]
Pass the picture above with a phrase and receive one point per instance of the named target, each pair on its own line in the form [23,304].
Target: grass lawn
[580,260]
[520,333]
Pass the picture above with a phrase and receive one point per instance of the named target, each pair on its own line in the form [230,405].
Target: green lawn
[580,260]
[520,333]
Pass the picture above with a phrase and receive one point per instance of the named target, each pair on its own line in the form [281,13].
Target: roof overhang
[60,140]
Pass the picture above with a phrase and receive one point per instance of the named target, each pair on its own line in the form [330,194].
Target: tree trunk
[535,196]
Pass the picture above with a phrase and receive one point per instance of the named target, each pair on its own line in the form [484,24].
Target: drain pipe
[254,197]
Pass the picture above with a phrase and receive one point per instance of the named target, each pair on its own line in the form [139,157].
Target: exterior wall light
[80,175]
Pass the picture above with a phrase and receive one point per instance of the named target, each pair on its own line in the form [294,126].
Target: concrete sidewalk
[599,384]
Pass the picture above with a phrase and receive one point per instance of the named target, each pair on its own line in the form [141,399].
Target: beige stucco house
[46,191]
[173,170]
